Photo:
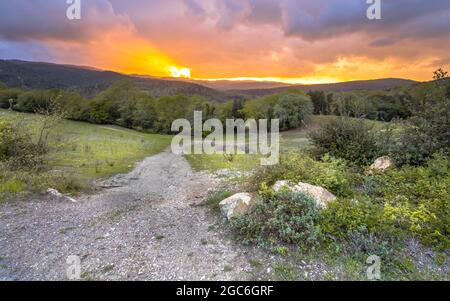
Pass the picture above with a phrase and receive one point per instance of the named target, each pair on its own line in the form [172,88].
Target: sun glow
[180,72]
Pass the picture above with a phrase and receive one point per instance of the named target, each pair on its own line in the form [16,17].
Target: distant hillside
[88,81]
[232,85]
[377,84]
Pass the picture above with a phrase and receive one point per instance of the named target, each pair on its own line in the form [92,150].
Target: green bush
[329,173]
[17,148]
[283,217]
[214,199]
[8,98]
[362,241]
[350,139]
[416,199]
[428,132]
[357,227]
[396,204]
[34,101]
[345,216]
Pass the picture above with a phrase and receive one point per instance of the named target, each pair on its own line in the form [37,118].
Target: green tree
[319,100]
[170,108]
[33,101]
[238,105]
[261,108]
[292,109]
[116,104]
[75,106]
[440,74]
[144,115]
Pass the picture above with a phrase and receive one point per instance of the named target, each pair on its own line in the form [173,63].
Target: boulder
[381,164]
[320,194]
[236,205]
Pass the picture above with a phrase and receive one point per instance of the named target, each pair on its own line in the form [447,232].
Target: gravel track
[147,225]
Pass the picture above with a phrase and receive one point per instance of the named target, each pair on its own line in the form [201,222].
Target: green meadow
[292,140]
[92,151]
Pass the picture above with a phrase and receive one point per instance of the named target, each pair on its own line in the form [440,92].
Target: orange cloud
[121,50]
[262,40]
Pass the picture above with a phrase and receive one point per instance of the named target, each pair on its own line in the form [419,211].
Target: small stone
[236,205]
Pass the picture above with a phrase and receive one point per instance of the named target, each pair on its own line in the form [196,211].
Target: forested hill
[376,84]
[89,82]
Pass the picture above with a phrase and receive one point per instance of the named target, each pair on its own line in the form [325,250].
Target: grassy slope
[93,151]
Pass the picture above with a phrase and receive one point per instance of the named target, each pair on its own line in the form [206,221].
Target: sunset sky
[295,41]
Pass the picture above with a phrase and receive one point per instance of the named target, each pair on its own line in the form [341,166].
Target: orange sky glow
[294,42]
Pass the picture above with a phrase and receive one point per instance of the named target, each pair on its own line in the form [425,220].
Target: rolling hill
[89,81]
[376,84]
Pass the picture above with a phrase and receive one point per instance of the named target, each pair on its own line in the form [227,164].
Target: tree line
[125,105]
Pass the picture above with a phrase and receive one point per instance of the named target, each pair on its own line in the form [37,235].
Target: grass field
[290,140]
[96,151]
[92,151]
[296,139]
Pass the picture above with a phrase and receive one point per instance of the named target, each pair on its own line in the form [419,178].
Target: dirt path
[147,226]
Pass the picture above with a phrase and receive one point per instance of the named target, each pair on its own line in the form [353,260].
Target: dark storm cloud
[23,20]
[308,19]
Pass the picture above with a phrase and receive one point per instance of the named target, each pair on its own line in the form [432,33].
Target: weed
[285,271]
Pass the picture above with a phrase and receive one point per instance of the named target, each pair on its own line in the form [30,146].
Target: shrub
[283,217]
[362,241]
[350,139]
[217,197]
[416,199]
[352,227]
[8,98]
[345,216]
[329,173]
[17,148]
[35,101]
[396,204]
[428,133]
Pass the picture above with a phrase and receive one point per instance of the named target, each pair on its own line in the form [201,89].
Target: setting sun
[180,72]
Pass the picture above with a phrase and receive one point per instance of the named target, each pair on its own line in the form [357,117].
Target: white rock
[236,205]
[279,184]
[320,194]
[381,164]
[54,192]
